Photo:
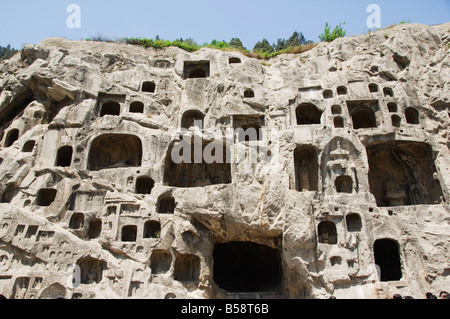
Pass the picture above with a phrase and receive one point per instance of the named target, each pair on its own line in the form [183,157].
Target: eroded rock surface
[341,189]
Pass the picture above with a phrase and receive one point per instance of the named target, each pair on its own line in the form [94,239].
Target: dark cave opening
[387,257]
[247,267]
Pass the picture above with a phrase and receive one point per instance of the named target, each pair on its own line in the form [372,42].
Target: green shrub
[218,44]
[328,35]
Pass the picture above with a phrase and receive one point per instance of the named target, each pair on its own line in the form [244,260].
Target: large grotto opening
[197,165]
[247,267]
[402,174]
[115,150]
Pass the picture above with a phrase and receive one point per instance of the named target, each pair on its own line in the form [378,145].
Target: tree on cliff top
[263,47]
[7,52]
[237,43]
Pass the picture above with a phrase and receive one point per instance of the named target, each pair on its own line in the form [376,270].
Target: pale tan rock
[352,162]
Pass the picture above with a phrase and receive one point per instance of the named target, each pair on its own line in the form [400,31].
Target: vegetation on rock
[7,52]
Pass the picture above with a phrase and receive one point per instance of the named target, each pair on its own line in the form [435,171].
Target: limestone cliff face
[331,171]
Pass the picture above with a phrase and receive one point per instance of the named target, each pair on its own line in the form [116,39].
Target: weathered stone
[336,180]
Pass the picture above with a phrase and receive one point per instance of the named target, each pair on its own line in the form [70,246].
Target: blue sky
[31,21]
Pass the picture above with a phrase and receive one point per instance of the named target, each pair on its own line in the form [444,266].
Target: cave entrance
[64,156]
[387,257]
[247,267]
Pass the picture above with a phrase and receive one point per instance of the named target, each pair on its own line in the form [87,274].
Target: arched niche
[11,137]
[28,147]
[308,114]
[412,115]
[129,233]
[234,60]
[144,185]
[113,151]
[336,110]
[373,88]
[327,233]
[306,168]
[76,221]
[53,291]
[137,107]
[363,117]
[110,108]
[187,268]
[249,93]
[152,229]
[160,261]
[166,205]
[192,118]
[338,122]
[354,223]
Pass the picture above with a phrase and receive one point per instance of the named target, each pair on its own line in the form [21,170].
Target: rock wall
[330,176]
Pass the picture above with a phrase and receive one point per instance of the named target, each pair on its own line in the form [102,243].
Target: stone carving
[345,194]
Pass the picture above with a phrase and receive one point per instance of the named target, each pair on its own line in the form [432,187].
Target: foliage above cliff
[6,52]
[296,43]
[262,50]
[328,35]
